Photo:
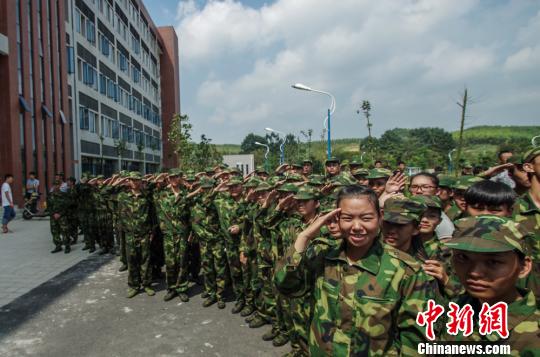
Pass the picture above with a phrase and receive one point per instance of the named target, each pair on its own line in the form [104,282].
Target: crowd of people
[335,264]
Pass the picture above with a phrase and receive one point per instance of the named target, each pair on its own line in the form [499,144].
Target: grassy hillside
[502,132]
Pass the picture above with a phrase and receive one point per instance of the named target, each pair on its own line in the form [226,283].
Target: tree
[179,137]
[248,144]
[204,154]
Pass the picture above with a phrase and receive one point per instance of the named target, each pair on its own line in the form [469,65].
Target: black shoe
[209,302]
[67,249]
[170,295]
[183,297]
[257,322]
[56,250]
[246,311]
[85,247]
[103,251]
[221,304]
[270,335]
[280,340]
[92,250]
[238,307]
[123,268]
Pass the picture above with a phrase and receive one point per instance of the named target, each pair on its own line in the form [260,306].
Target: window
[135,45]
[87,119]
[109,127]
[135,74]
[127,133]
[70,60]
[107,87]
[123,63]
[89,75]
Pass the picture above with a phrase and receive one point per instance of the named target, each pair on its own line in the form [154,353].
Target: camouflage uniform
[367,308]
[228,211]
[528,216]
[59,202]
[204,226]
[491,234]
[136,220]
[171,212]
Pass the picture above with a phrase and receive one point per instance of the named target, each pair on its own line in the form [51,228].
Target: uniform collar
[371,262]
[527,205]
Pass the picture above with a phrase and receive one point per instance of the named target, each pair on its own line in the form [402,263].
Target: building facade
[83,89]
[244,162]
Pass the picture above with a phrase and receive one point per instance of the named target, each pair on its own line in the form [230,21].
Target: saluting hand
[313,230]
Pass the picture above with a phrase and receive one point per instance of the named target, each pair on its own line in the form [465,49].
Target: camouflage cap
[307,161]
[252,182]
[340,180]
[100,177]
[235,171]
[360,172]
[209,170]
[190,178]
[355,162]
[134,175]
[206,183]
[175,172]
[296,165]
[466,165]
[488,234]
[464,182]
[379,173]
[530,154]
[261,170]
[446,181]
[331,160]
[273,180]
[316,180]
[222,166]
[263,186]
[403,210]
[429,201]
[288,187]
[235,181]
[344,163]
[307,193]
[292,177]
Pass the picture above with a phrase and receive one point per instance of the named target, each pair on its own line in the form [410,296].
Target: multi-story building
[83,88]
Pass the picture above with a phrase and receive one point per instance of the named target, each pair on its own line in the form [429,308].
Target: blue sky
[411,59]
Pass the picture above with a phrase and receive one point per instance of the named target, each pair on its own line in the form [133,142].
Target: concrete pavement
[25,258]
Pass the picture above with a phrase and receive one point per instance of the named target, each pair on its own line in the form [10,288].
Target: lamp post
[450,160]
[331,110]
[533,141]
[282,153]
[265,154]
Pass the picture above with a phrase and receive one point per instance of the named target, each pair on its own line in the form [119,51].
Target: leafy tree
[248,144]
[179,137]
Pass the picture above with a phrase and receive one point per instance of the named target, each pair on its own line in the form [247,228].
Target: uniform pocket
[374,316]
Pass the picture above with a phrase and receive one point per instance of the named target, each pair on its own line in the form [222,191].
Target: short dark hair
[503,151]
[351,191]
[6,176]
[434,179]
[378,161]
[72,179]
[400,162]
[32,173]
[490,193]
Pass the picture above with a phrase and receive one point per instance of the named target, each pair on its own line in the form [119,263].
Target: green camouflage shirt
[171,210]
[523,326]
[366,308]
[135,213]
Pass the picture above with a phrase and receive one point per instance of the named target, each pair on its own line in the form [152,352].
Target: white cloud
[238,62]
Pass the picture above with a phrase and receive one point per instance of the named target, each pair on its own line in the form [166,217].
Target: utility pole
[463,106]
[366,108]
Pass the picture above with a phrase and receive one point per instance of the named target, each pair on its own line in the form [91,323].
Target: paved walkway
[26,261]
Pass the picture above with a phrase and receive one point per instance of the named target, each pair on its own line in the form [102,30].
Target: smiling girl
[365,295]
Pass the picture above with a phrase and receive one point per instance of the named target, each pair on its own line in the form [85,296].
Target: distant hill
[485,139]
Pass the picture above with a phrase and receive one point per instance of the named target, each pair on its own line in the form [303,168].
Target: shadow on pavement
[20,310]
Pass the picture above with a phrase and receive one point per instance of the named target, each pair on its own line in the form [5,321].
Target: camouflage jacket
[523,326]
[58,202]
[135,213]
[365,308]
[247,241]
[229,213]
[453,212]
[204,220]
[528,216]
[171,211]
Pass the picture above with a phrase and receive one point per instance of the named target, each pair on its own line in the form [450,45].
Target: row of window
[88,75]
[85,27]
[111,128]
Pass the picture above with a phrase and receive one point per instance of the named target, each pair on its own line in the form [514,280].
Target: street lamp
[265,154]
[450,160]
[533,141]
[331,110]
[282,153]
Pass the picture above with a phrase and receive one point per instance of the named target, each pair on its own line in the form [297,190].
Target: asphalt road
[84,312]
